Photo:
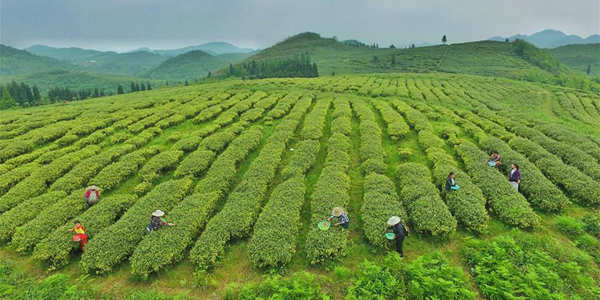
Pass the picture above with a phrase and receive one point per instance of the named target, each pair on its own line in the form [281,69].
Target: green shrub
[55,249]
[537,188]
[315,120]
[116,242]
[503,200]
[524,266]
[302,285]
[151,171]
[244,203]
[591,224]
[380,202]
[396,126]
[427,212]
[577,185]
[432,277]
[168,245]
[195,163]
[569,226]
[26,211]
[374,282]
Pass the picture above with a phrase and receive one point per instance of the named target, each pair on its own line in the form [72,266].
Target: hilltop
[551,38]
[579,57]
[15,62]
[192,65]
[489,58]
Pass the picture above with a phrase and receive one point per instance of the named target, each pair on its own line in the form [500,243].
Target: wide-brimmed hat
[158,213]
[93,187]
[393,220]
[337,211]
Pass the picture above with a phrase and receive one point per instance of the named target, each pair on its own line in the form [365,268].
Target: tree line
[298,66]
[15,94]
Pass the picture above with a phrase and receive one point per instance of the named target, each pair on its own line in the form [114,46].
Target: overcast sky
[128,24]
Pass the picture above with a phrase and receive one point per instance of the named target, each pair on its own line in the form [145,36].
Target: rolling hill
[17,62]
[71,54]
[214,48]
[551,38]
[490,58]
[579,57]
[192,65]
[129,63]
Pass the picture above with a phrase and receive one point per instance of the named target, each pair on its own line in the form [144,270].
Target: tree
[231,70]
[148,87]
[6,101]
[589,70]
[444,39]
[506,40]
[393,60]
[120,90]
[392,46]
[186,83]
[375,59]
[96,93]
[132,87]
[209,74]
[142,86]
[36,94]
[412,46]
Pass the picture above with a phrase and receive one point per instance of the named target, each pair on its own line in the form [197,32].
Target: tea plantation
[247,169]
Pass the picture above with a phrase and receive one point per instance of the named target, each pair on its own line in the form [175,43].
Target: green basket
[324,225]
[390,235]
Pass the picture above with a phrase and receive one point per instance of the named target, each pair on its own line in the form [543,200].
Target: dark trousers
[399,241]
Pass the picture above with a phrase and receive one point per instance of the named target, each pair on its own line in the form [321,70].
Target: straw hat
[393,220]
[337,211]
[158,213]
[93,187]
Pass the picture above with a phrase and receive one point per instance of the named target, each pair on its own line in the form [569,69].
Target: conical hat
[93,187]
[393,220]
[337,211]
[158,213]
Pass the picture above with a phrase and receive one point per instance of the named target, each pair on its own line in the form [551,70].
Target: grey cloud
[127,24]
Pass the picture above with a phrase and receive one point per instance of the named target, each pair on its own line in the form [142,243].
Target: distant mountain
[130,63]
[71,54]
[214,48]
[579,57]
[552,38]
[193,64]
[16,62]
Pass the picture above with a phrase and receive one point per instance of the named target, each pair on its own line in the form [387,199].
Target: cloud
[127,24]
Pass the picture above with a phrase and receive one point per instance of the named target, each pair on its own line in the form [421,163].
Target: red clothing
[81,236]
[89,192]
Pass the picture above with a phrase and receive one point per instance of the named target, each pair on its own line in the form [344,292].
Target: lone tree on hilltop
[444,39]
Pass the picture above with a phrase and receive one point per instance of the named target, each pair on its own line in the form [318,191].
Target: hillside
[129,63]
[192,65]
[247,169]
[214,48]
[16,62]
[76,80]
[482,58]
[579,57]
[71,54]
[551,38]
